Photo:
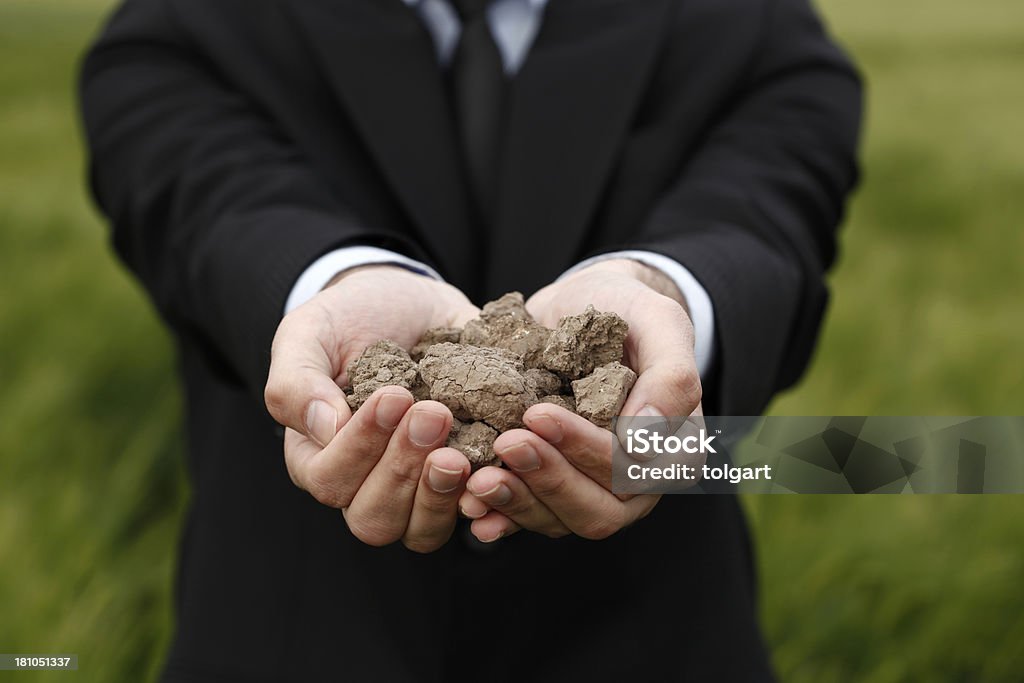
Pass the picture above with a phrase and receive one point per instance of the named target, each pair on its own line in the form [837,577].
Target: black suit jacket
[235,141]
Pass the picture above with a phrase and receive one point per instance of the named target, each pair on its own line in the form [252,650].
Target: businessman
[294,180]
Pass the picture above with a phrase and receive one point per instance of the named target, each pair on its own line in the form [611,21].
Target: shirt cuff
[702,313]
[323,270]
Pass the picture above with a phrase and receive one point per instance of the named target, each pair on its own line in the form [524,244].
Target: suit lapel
[570,106]
[381,63]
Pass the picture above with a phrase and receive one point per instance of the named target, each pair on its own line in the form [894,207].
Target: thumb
[301,392]
[660,344]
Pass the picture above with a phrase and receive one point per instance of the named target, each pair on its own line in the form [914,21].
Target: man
[312,176]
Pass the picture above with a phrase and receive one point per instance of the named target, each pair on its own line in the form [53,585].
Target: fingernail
[521,457]
[425,427]
[466,514]
[492,540]
[390,410]
[649,411]
[442,480]
[547,428]
[651,418]
[321,422]
[499,495]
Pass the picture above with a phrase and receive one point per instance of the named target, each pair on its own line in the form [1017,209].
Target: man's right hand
[385,466]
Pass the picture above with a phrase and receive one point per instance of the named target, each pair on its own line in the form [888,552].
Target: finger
[333,474]
[584,444]
[492,526]
[660,348]
[583,505]
[433,511]
[495,525]
[639,507]
[505,492]
[379,513]
[472,507]
[301,392]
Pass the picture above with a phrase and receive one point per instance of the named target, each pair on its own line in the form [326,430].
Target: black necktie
[478,87]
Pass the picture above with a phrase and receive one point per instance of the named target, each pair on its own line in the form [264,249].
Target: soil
[583,342]
[436,335]
[478,383]
[499,365]
[384,363]
[476,441]
[601,394]
[505,324]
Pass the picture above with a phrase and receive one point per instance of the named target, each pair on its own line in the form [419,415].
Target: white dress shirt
[514,25]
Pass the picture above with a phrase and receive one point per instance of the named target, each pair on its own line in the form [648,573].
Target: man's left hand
[559,476]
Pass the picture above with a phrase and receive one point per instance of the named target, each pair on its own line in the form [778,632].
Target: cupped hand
[385,466]
[659,346]
[559,476]
[558,482]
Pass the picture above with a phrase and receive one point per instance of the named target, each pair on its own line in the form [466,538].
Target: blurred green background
[926,319]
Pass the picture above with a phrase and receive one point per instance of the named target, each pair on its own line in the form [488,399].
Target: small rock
[506,324]
[583,342]
[566,402]
[478,383]
[511,304]
[435,335]
[546,382]
[601,395]
[476,441]
[383,363]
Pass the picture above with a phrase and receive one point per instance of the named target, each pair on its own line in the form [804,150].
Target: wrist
[441,304]
[650,276]
[374,268]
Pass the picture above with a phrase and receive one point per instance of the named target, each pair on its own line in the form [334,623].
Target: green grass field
[926,319]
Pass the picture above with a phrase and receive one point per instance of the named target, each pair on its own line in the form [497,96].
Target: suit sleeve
[754,214]
[212,208]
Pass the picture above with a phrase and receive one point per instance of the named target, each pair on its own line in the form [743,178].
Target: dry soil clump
[499,365]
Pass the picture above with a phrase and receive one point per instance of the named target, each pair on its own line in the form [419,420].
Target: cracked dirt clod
[506,324]
[566,402]
[600,395]
[478,383]
[384,363]
[499,365]
[475,440]
[546,382]
[583,342]
[435,335]
[511,304]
